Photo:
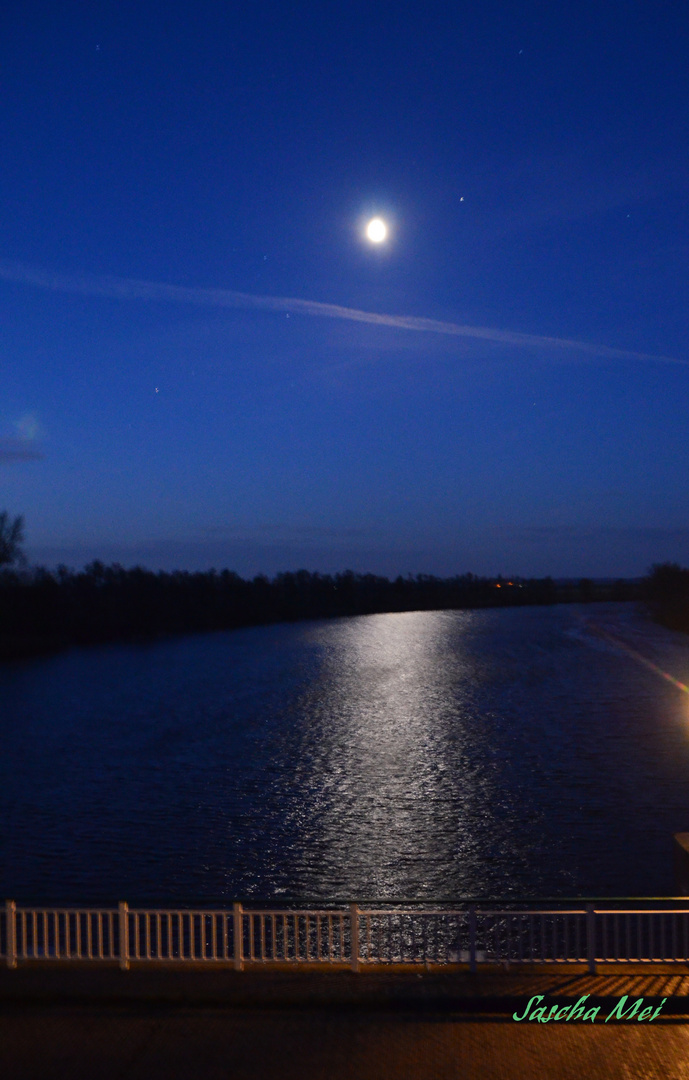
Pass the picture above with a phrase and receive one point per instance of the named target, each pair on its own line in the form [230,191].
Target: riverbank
[43,612]
[666,591]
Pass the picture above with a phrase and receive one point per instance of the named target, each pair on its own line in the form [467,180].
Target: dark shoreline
[666,594]
[42,613]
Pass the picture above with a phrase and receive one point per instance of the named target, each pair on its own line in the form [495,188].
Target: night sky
[187,378]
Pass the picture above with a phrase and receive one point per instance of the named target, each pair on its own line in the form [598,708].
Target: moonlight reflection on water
[422,754]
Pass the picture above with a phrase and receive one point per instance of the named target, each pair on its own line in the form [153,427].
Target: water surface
[423,754]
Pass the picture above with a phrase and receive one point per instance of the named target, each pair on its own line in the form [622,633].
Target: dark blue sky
[531,161]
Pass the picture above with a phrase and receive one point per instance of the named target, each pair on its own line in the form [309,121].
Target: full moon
[376,230]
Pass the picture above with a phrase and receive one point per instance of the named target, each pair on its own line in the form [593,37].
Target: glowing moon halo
[376,230]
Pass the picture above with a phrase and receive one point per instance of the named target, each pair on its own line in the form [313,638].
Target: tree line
[43,610]
[666,592]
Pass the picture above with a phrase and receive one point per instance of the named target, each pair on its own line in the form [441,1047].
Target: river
[431,755]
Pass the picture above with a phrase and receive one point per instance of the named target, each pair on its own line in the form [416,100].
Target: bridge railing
[351,935]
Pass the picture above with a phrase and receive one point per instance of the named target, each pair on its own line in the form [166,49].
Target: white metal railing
[58,934]
[352,935]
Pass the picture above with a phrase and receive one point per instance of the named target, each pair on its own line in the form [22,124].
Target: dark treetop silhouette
[11,537]
[42,610]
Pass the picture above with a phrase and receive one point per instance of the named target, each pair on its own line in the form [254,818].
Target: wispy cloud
[560,188]
[21,449]
[130,289]
[28,427]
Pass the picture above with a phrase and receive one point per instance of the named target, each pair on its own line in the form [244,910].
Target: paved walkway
[150,1024]
[438,988]
[89,1044]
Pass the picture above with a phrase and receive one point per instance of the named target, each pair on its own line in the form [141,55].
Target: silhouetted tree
[11,537]
[666,592]
[41,611]
[586,590]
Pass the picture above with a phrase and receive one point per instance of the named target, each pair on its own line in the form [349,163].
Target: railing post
[124,935]
[591,938]
[472,939]
[354,920]
[11,925]
[238,938]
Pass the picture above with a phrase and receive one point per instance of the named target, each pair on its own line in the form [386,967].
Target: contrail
[130,289]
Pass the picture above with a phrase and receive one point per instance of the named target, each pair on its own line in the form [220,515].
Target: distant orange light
[498,586]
